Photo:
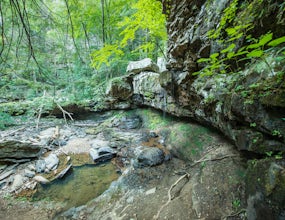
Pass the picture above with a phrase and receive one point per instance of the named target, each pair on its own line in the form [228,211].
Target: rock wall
[248,106]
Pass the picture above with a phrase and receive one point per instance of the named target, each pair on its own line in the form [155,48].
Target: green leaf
[253,46]
[229,48]
[230,55]
[265,39]
[214,55]
[203,60]
[231,31]
[255,53]
[277,41]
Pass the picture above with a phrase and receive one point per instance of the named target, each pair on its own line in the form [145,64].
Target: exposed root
[234,214]
[170,198]
[212,159]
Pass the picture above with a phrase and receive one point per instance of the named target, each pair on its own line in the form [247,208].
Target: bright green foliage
[142,34]
[147,17]
[75,45]
[107,54]
[232,29]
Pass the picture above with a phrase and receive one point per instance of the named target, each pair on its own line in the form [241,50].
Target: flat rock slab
[15,150]
[142,65]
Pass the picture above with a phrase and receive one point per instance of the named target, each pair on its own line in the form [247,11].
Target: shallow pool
[81,185]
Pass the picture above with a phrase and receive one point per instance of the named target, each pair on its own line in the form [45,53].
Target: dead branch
[64,113]
[170,198]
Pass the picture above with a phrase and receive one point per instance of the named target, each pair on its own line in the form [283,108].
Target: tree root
[233,214]
[187,175]
[170,198]
[212,159]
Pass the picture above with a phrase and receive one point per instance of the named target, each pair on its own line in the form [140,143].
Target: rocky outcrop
[244,99]
[18,151]
[246,106]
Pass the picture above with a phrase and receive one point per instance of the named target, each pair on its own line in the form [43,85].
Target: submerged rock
[41,179]
[64,172]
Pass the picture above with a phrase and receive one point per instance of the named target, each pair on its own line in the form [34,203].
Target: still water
[81,185]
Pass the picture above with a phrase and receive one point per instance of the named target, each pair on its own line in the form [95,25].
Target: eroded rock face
[17,151]
[247,106]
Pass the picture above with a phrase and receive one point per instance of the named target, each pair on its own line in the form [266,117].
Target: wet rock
[3,167]
[134,122]
[142,65]
[51,162]
[41,179]
[106,150]
[31,167]
[15,150]
[18,182]
[149,156]
[102,154]
[40,166]
[64,172]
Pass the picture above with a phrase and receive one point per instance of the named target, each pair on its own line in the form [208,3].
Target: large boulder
[149,156]
[143,65]
[119,88]
[17,151]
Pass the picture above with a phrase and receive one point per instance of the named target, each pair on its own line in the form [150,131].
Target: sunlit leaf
[255,53]
[277,41]
[229,48]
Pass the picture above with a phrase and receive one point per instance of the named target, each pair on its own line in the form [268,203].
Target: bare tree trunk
[103,21]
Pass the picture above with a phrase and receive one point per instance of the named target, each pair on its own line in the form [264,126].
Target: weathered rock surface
[18,182]
[41,179]
[102,154]
[119,88]
[40,166]
[51,161]
[143,65]
[64,172]
[15,150]
[149,156]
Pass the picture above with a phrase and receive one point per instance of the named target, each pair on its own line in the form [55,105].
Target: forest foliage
[67,48]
